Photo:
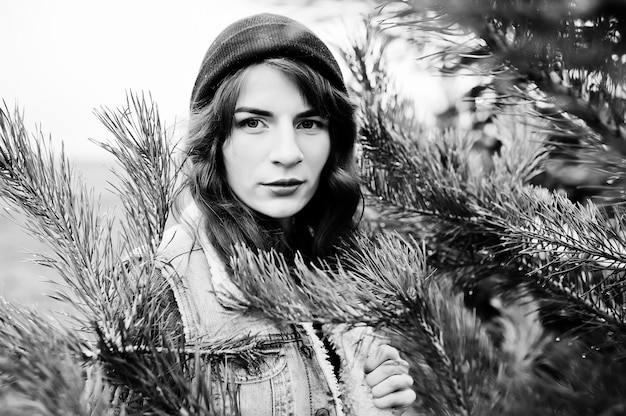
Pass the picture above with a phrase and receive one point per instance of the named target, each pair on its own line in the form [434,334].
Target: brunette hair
[330,215]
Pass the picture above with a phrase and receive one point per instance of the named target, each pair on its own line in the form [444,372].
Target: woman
[270,154]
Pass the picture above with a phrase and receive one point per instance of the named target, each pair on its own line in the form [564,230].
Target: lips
[284,182]
[284,187]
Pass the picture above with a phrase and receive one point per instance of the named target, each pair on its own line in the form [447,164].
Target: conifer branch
[127,309]
[564,57]
[545,249]
[383,283]
[59,211]
[432,178]
[146,183]
[42,369]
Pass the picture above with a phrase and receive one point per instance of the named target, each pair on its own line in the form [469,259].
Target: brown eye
[252,123]
[311,124]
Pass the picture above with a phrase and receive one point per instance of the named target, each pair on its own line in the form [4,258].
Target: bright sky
[61,59]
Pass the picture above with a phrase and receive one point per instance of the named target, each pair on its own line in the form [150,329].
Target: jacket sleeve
[353,345]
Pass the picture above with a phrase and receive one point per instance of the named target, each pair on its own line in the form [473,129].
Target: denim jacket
[294,378]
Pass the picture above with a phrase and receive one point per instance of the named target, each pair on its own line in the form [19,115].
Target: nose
[285,149]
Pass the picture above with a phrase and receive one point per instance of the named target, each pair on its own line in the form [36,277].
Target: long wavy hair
[329,217]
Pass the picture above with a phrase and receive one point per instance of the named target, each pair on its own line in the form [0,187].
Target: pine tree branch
[43,371]
[382,283]
[563,56]
[127,307]
[562,244]
[417,175]
[59,210]
[142,148]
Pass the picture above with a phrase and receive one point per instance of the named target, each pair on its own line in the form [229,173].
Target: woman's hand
[388,376]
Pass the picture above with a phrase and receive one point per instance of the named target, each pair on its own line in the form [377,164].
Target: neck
[286,224]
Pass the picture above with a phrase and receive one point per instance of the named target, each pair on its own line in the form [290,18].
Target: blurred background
[63,59]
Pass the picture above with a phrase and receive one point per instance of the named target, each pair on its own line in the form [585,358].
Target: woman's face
[278,145]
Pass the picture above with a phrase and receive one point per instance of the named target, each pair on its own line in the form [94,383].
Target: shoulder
[183,237]
[180,257]
[177,243]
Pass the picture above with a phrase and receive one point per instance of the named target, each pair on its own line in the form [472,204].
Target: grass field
[21,280]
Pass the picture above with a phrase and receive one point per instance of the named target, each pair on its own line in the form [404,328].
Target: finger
[398,399]
[392,384]
[379,355]
[386,370]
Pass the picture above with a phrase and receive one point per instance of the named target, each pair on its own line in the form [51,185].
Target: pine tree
[555,72]
[505,296]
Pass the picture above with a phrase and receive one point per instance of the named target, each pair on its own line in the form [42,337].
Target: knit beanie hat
[255,38]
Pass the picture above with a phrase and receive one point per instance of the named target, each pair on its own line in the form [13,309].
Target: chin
[281,213]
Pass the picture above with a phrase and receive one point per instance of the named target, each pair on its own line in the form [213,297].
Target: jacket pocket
[260,388]
[262,368]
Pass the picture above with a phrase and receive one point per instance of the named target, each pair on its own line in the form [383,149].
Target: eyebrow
[259,112]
